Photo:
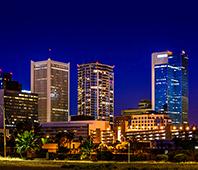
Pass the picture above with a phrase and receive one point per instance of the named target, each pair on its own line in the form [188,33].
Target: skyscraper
[96,91]
[170,85]
[51,81]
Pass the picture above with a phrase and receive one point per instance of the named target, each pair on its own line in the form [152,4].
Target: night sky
[121,33]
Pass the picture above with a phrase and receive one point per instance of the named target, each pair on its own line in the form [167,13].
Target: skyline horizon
[73,114]
[121,34]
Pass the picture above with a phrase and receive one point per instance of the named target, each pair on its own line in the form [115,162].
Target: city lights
[106,85]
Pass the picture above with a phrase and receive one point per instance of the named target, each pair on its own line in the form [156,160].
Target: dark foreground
[80,165]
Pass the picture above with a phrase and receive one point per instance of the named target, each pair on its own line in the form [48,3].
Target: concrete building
[148,121]
[168,133]
[144,104]
[143,107]
[99,131]
[51,81]
[96,91]
[136,124]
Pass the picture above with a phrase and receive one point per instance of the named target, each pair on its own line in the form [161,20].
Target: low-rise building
[99,131]
[143,127]
[19,106]
[143,107]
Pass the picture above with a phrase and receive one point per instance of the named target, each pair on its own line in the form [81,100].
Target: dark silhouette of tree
[87,148]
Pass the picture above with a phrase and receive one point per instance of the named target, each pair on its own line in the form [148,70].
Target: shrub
[104,155]
[180,157]
[140,157]
[161,157]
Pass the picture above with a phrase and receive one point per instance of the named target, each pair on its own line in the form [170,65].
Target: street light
[129,152]
[4,130]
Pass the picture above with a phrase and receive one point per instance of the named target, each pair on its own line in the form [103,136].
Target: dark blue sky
[121,33]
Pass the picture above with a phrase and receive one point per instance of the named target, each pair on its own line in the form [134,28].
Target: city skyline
[125,39]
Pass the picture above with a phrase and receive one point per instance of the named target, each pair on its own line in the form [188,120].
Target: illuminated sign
[119,134]
[26,91]
[162,55]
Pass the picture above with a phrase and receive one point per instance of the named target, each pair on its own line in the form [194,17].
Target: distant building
[51,81]
[96,91]
[18,106]
[143,107]
[148,121]
[144,104]
[82,117]
[149,127]
[129,125]
[4,78]
[120,126]
[99,131]
[6,82]
[170,85]
[166,133]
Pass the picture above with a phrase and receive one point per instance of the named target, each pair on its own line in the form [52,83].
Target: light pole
[4,130]
[129,159]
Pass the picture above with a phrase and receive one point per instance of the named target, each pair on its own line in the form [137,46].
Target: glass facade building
[96,91]
[170,85]
[51,80]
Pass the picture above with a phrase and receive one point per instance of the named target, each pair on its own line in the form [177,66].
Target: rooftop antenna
[50,53]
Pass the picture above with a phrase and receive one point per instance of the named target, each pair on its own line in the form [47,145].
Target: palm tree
[26,143]
[65,139]
[87,148]
[70,136]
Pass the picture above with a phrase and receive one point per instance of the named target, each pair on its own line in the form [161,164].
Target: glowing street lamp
[4,130]
[129,152]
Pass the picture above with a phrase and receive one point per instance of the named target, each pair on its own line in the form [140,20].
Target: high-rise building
[6,82]
[170,85]
[96,91]
[51,81]
[19,106]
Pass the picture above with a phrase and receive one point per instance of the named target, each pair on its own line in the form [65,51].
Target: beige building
[99,131]
[142,126]
[148,127]
[51,81]
[148,121]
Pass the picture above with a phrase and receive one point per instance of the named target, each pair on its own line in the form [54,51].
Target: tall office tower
[96,91]
[51,81]
[170,85]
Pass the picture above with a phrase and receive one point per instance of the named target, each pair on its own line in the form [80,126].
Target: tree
[27,125]
[87,148]
[64,139]
[27,143]
[104,152]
